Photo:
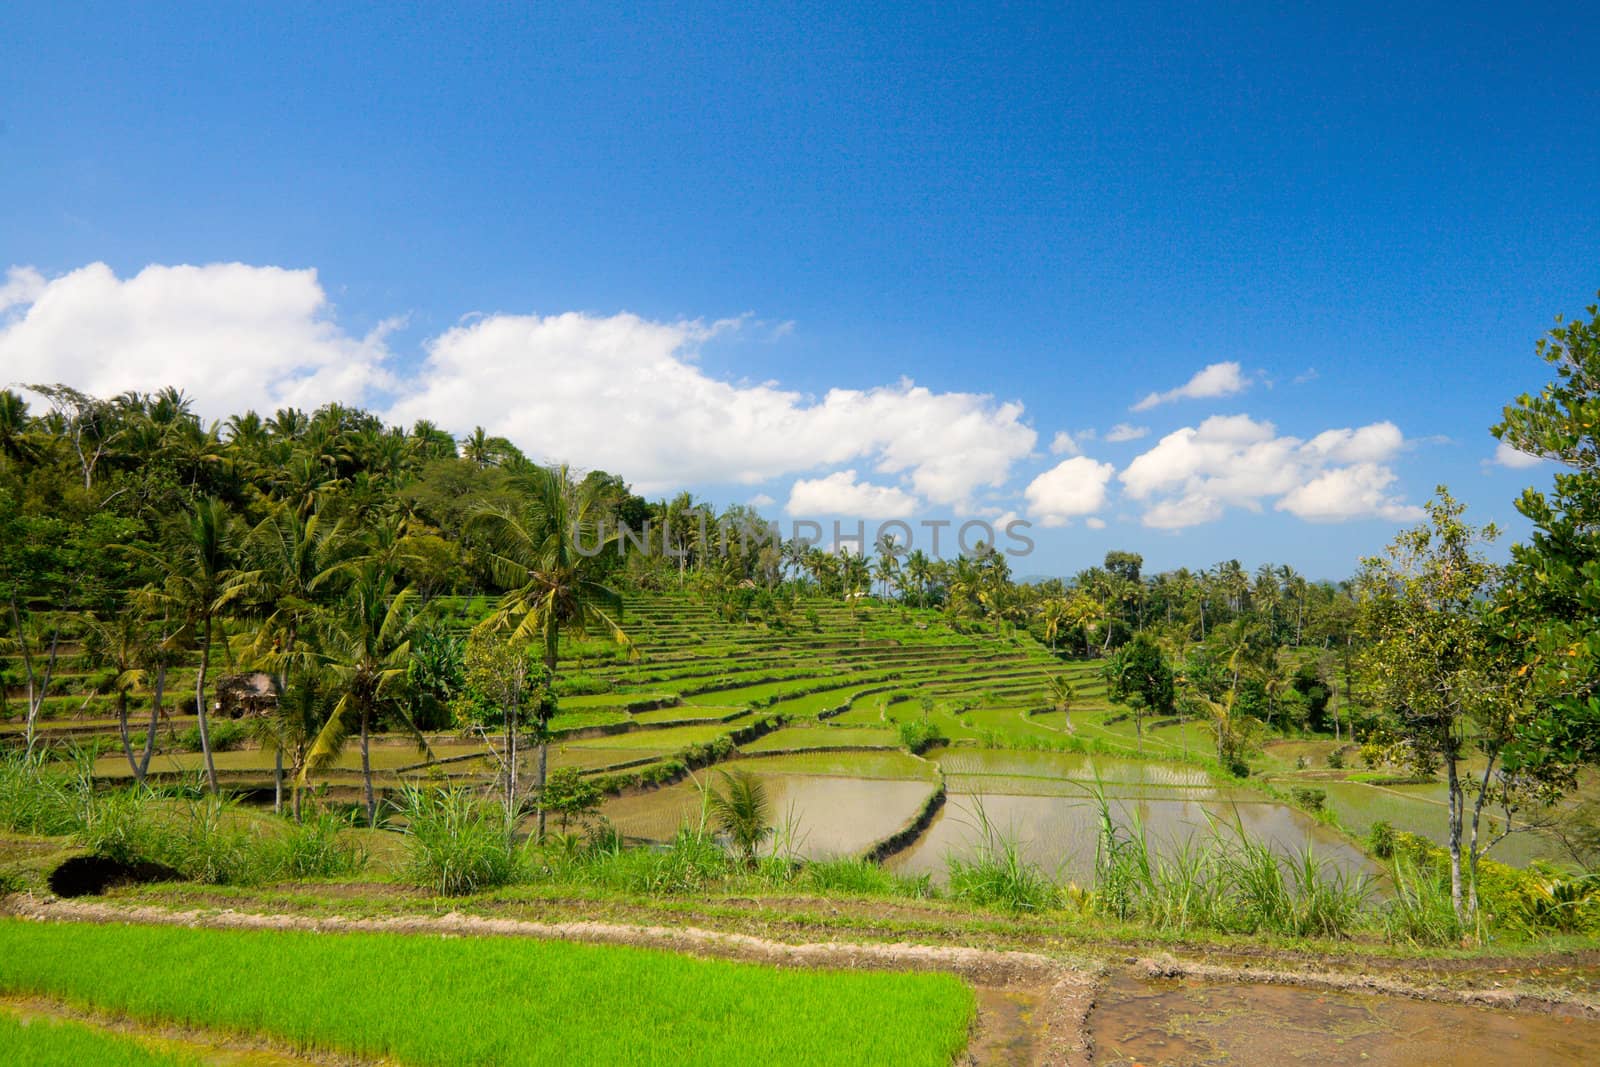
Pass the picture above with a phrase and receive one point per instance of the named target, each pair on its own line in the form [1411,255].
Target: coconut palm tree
[364,648]
[743,811]
[195,586]
[550,587]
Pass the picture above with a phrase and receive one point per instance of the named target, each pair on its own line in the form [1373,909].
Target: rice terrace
[874,535]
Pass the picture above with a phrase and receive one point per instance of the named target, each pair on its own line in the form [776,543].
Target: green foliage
[918,735]
[37,797]
[294,987]
[318,847]
[1381,839]
[1310,799]
[570,795]
[859,877]
[1138,675]
[10,882]
[225,735]
[459,842]
[742,810]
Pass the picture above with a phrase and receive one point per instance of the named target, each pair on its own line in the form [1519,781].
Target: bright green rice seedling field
[429,1001]
[53,1043]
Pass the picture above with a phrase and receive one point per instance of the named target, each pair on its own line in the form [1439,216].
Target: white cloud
[1063,445]
[1073,487]
[1123,431]
[841,494]
[1217,379]
[761,500]
[623,393]
[1349,492]
[22,286]
[1095,522]
[1192,475]
[233,336]
[1507,456]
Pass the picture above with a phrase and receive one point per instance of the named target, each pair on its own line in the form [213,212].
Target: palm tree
[550,587]
[195,586]
[1062,695]
[743,811]
[1053,613]
[123,643]
[365,648]
[289,555]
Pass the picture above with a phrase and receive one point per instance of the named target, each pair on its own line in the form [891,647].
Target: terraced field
[817,709]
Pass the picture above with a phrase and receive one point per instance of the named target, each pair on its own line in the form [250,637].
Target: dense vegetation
[394,583]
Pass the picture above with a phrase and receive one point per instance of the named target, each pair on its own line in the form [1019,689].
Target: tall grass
[460,842]
[998,875]
[1224,881]
[436,1002]
[1421,912]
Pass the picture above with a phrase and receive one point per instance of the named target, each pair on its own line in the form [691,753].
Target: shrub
[10,882]
[116,826]
[1380,839]
[569,795]
[919,735]
[460,843]
[1336,759]
[1420,911]
[225,735]
[1310,799]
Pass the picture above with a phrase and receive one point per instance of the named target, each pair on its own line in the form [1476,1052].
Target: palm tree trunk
[155,724]
[200,707]
[511,762]
[127,739]
[277,779]
[366,773]
[544,755]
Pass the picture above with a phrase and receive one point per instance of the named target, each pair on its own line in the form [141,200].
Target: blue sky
[704,246]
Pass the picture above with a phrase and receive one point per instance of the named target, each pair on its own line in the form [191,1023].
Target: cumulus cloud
[1192,475]
[1095,523]
[1071,488]
[1361,490]
[1217,379]
[233,336]
[624,393]
[1507,456]
[761,500]
[841,494]
[1063,445]
[1123,431]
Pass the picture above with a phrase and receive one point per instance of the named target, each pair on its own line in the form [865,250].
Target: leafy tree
[1432,669]
[570,795]
[1139,677]
[1550,602]
[506,676]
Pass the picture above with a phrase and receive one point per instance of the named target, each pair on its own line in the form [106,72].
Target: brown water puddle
[1192,1022]
[212,1049]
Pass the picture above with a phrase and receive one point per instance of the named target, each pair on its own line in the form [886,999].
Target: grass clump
[460,842]
[319,847]
[295,988]
[998,875]
[860,877]
[38,798]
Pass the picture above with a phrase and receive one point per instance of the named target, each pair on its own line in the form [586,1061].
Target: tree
[570,795]
[548,585]
[1550,602]
[1063,695]
[196,571]
[1139,677]
[1431,666]
[506,676]
[743,811]
[364,648]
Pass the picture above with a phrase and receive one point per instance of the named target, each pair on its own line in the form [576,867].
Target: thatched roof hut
[253,693]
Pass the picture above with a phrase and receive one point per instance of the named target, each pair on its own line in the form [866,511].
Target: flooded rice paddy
[1188,1022]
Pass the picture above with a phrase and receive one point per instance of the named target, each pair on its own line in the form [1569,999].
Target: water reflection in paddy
[826,815]
[1058,833]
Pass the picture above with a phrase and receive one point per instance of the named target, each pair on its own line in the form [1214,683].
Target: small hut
[251,694]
